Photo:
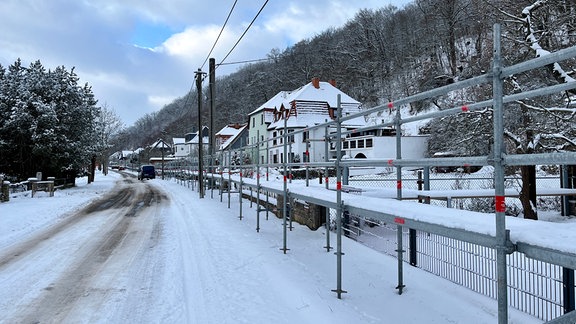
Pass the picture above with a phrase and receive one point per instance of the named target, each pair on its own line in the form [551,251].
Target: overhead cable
[220,34]
[244,33]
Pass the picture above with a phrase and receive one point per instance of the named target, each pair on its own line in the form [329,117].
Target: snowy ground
[201,264]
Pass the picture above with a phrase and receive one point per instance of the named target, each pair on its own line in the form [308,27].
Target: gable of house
[314,104]
[223,136]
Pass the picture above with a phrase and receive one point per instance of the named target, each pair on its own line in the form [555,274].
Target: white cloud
[194,42]
[160,101]
[94,36]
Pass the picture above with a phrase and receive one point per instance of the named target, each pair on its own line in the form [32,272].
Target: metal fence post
[258,181]
[229,185]
[399,228]
[240,184]
[567,273]
[340,204]
[285,192]
[568,289]
[326,157]
[501,237]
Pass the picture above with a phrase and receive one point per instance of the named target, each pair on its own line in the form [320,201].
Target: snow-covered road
[153,252]
[84,261]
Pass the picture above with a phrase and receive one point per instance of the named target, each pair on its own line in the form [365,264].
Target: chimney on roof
[333,82]
[316,83]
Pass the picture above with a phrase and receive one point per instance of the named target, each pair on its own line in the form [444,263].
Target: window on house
[261,140]
[290,136]
[352,144]
[253,121]
[305,136]
[262,119]
[274,141]
[368,142]
[345,145]
[361,143]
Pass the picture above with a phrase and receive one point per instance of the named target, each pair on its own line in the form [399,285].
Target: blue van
[146,172]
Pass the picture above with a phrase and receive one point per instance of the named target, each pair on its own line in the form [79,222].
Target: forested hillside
[386,54]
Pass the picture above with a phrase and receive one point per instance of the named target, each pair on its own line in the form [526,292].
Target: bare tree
[110,125]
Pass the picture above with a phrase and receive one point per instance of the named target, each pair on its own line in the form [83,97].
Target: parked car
[146,172]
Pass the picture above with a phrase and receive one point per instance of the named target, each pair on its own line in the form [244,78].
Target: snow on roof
[326,92]
[273,102]
[160,144]
[178,140]
[230,130]
[233,138]
[194,140]
[312,105]
[205,140]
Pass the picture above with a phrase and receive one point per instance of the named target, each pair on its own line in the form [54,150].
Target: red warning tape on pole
[500,204]
[338,185]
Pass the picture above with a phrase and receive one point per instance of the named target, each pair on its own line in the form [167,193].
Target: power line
[246,61]
[220,34]
[244,33]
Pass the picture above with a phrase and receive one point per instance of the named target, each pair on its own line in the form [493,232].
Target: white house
[259,120]
[183,147]
[313,104]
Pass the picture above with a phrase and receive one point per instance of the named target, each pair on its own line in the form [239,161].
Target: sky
[191,260]
[141,55]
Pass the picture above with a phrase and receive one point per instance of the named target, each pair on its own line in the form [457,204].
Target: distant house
[231,137]
[314,104]
[195,140]
[183,147]
[259,120]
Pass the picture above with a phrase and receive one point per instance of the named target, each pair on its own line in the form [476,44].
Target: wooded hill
[390,53]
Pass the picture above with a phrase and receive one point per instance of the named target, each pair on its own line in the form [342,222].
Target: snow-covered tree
[49,122]
[538,125]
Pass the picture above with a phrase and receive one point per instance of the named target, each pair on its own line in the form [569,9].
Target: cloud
[138,54]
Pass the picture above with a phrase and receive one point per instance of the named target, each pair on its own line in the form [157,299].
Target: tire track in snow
[118,237]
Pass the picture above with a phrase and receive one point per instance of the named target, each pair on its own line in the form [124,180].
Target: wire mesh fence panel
[465,181]
[534,287]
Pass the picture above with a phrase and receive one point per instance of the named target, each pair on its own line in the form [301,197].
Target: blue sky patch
[150,35]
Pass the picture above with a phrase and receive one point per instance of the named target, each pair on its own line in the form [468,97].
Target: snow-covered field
[207,266]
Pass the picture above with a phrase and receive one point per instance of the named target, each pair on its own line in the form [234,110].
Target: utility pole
[212,80]
[199,75]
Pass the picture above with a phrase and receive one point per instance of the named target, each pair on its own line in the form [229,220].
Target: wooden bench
[46,186]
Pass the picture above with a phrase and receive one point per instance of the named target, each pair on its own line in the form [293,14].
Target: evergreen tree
[49,122]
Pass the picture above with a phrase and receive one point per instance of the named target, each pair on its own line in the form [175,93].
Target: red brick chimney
[316,83]
[333,82]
